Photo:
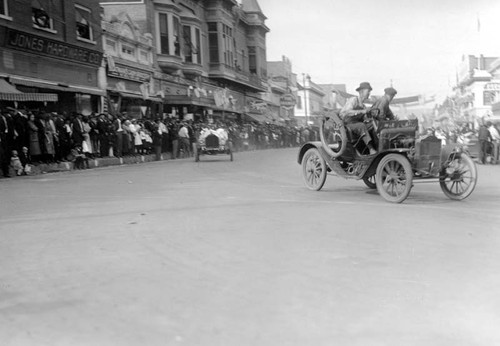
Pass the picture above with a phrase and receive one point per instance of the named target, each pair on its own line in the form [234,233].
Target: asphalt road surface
[241,253]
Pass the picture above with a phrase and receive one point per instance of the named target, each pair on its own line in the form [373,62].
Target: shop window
[4,8]
[83,24]
[164,41]
[41,18]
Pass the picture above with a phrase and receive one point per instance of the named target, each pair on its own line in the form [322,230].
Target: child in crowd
[80,160]
[25,158]
[16,164]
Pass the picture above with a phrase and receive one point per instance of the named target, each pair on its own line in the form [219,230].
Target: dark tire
[394,178]
[370,182]
[314,169]
[340,136]
[459,177]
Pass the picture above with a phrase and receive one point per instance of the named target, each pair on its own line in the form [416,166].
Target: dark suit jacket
[77,132]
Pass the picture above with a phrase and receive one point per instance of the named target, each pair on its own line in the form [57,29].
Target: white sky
[416,43]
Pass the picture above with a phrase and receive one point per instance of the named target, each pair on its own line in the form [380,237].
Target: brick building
[53,46]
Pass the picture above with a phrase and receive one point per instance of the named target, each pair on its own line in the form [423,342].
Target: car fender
[449,149]
[305,147]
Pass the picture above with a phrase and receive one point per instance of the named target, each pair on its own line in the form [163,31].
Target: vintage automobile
[213,142]
[401,158]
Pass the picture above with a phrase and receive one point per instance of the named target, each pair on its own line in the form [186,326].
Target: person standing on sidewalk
[118,129]
[484,137]
[173,130]
[495,139]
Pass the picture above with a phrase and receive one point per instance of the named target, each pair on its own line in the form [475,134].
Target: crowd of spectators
[34,137]
[485,139]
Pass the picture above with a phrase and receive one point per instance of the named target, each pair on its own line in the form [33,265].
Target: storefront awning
[9,92]
[55,86]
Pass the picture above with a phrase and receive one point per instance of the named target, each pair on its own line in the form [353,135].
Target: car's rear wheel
[314,169]
[458,177]
[394,178]
[370,182]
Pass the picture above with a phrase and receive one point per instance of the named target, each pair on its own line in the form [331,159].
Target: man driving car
[354,112]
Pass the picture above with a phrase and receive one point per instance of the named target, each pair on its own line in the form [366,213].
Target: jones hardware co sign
[287,101]
[40,45]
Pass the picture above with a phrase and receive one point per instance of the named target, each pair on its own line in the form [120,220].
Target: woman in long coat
[87,143]
[50,150]
[35,151]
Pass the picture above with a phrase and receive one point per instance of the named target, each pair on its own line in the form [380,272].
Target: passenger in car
[382,104]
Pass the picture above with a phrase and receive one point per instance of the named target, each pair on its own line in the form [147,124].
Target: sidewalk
[43,168]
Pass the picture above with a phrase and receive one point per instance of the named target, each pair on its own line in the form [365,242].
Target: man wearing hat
[382,104]
[354,112]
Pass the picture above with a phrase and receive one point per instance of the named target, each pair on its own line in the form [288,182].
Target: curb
[44,168]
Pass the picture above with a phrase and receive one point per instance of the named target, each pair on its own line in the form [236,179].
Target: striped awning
[8,92]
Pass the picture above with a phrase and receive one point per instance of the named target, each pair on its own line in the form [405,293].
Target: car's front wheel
[394,178]
[458,177]
[314,169]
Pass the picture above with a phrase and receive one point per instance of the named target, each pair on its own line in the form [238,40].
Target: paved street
[241,253]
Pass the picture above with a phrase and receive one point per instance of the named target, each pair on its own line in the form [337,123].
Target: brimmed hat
[390,91]
[364,85]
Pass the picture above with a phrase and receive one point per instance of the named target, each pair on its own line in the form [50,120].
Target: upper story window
[164,39]
[110,47]
[213,42]
[4,9]
[252,60]
[144,56]
[177,36]
[228,45]
[128,52]
[170,40]
[83,23]
[41,18]
[191,44]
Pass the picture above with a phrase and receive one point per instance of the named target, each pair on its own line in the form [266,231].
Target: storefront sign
[40,45]
[287,101]
[128,73]
[492,87]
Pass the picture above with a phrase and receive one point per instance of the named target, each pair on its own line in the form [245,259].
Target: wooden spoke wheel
[458,177]
[314,169]
[394,178]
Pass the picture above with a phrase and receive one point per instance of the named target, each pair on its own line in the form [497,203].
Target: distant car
[213,142]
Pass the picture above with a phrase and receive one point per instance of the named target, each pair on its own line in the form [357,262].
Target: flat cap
[390,91]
